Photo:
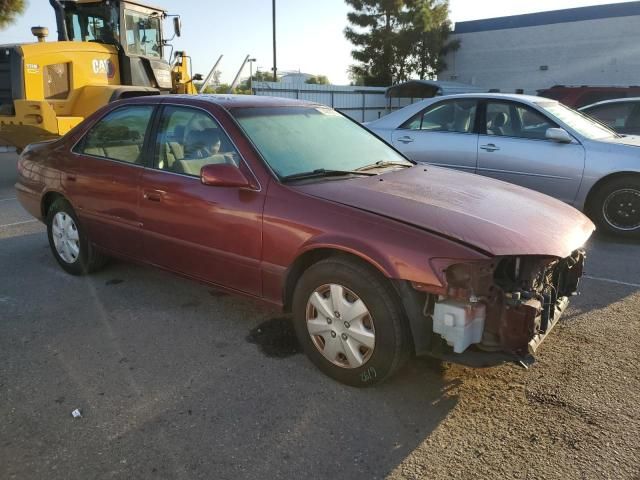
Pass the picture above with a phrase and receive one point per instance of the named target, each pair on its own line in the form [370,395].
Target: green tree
[318,80]
[243,87]
[260,76]
[396,39]
[9,10]
[375,32]
[355,76]
[428,35]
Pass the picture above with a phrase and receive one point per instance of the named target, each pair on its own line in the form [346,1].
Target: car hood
[631,140]
[493,216]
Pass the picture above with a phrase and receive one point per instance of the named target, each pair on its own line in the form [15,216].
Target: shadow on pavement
[169,387]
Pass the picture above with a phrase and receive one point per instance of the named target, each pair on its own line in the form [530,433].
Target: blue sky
[310,37]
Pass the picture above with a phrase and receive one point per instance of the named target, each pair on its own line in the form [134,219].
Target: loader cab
[133,28]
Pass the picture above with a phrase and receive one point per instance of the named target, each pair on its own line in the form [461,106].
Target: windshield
[92,22]
[143,34]
[294,140]
[582,124]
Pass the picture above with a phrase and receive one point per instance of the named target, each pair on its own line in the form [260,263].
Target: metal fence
[363,104]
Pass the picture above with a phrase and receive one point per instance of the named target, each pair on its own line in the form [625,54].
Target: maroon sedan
[296,205]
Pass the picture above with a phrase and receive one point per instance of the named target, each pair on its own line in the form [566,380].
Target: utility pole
[275,69]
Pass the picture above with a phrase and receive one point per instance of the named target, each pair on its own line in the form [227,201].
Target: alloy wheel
[621,209]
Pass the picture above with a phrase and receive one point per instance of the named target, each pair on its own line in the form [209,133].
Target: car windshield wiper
[382,164]
[322,172]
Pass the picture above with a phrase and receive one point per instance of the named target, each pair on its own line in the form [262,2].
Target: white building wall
[591,52]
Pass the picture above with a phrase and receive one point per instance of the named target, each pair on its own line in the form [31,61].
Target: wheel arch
[588,203]
[47,200]
[409,300]
[312,256]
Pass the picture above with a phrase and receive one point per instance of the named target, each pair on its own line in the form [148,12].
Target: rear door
[443,134]
[102,181]
[513,147]
[207,232]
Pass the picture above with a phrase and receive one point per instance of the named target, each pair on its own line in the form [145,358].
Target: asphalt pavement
[177,380]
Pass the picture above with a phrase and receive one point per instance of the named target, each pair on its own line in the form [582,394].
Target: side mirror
[559,135]
[223,175]
[177,26]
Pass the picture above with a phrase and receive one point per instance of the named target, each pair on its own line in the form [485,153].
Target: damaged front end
[507,304]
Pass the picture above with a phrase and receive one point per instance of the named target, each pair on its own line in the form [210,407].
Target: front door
[102,182]
[206,232]
[513,147]
[442,134]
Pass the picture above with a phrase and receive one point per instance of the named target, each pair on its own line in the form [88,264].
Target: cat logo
[103,67]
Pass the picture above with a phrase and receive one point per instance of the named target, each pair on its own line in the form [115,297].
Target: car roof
[225,101]
[499,96]
[612,100]
[390,120]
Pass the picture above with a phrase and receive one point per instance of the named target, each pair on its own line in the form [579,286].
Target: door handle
[405,139]
[153,195]
[489,147]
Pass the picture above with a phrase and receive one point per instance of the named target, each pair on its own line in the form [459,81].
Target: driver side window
[188,139]
[508,119]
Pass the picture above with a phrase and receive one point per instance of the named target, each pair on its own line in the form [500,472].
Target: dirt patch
[572,415]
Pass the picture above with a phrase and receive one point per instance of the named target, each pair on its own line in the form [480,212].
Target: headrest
[499,120]
[208,136]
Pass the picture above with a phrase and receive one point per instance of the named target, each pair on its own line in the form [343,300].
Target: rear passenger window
[119,135]
[188,139]
[456,116]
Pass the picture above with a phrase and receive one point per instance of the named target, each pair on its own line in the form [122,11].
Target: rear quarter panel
[38,173]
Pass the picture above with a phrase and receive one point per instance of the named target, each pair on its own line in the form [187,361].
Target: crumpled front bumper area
[533,300]
[507,305]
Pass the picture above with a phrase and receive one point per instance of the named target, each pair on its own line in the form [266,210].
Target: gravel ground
[176,380]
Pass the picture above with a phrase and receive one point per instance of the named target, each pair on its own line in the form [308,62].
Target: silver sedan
[620,114]
[530,141]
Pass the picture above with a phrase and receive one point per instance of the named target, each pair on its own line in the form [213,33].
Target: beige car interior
[187,150]
[187,142]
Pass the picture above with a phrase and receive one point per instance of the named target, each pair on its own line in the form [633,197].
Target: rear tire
[616,207]
[68,241]
[361,338]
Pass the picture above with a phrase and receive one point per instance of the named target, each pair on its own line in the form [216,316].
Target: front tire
[349,322]
[69,243]
[616,207]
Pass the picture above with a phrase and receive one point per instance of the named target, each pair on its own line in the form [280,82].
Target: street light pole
[251,60]
[275,70]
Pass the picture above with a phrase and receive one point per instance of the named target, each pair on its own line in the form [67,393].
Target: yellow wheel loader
[106,50]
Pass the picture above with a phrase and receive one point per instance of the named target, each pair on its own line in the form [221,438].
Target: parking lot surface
[176,380]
